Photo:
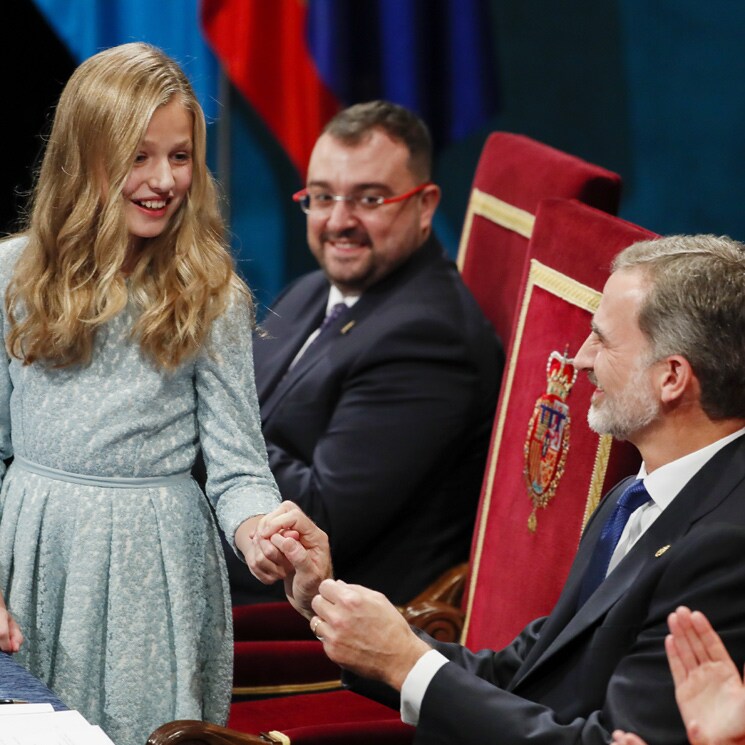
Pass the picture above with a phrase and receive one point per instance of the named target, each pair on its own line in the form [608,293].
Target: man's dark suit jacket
[380,430]
[573,677]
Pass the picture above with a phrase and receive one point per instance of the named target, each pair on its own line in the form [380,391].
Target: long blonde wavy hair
[69,280]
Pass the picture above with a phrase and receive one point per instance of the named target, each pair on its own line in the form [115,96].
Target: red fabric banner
[263,50]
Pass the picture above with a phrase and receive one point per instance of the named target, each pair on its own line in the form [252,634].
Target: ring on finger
[314,627]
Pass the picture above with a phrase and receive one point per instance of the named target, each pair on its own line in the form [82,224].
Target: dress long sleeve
[239,482]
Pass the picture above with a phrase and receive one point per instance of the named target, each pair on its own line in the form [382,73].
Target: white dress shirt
[662,485]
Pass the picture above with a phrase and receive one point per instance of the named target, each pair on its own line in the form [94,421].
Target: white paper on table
[9,710]
[55,728]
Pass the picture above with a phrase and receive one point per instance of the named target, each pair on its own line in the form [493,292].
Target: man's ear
[430,199]
[675,378]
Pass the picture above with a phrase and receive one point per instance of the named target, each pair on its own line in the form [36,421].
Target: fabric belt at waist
[134,482]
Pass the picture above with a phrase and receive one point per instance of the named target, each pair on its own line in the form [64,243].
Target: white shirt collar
[666,482]
[335,296]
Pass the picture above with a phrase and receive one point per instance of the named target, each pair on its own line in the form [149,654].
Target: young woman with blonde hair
[128,339]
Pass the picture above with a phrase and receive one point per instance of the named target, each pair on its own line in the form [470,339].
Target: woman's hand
[266,562]
[11,637]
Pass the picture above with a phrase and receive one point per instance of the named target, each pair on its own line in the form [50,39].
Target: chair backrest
[513,175]
[544,474]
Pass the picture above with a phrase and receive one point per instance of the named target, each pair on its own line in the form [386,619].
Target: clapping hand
[708,686]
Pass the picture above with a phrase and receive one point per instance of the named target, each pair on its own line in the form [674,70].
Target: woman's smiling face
[161,173]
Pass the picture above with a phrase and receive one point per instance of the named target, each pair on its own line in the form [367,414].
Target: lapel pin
[661,551]
[347,327]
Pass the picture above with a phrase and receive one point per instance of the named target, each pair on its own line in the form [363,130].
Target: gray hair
[352,125]
[695,307]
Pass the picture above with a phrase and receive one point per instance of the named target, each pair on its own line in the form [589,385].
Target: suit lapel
[560,623]
[281,336]
[337,332]
[703,493]
[279,360]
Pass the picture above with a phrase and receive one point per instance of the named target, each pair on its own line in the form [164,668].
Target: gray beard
[630,411]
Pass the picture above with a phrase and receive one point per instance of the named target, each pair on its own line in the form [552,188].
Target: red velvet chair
[276,654]
[513,174]
[526,536]
[517,572]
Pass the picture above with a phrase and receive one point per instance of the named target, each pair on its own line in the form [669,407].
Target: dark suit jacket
[381,429]
[573,677]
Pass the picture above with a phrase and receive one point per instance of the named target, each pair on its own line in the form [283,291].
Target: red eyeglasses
[321,202]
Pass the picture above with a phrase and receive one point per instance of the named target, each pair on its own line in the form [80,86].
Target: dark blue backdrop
[649,88]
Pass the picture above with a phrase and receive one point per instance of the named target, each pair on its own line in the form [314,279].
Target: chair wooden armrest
[440,620]
[437,610]
[447,588]
[194,732]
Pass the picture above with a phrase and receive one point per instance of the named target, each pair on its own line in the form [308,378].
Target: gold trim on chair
[598,476]
[502,213]
[587,298]
[288,689]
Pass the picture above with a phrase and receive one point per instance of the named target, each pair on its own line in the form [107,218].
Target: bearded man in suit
[378,374]
[666,353]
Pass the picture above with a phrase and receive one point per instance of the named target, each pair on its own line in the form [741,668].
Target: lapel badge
[547,442]
[661,551]
[347,327]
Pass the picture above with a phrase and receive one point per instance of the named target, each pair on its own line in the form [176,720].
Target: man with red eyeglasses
[378,374]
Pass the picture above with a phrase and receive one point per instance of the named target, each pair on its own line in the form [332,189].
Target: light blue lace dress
[119,585]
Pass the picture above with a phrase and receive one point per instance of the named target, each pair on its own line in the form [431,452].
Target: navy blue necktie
[632,498]
[335,311]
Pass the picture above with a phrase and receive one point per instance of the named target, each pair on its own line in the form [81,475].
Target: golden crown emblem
[547,442]
[560,375]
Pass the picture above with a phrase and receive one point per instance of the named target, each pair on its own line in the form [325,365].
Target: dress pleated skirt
[122,596]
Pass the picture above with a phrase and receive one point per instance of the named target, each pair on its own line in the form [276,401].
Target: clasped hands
[360,629]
